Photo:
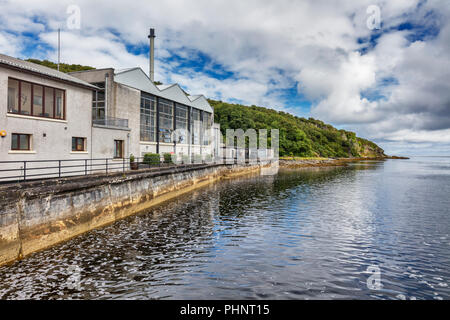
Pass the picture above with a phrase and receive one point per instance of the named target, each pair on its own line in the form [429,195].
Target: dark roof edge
[73,83]
[91,70]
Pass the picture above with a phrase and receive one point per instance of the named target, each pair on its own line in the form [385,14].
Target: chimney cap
[152,33]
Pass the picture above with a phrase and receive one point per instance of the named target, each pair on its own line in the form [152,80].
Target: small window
[59,104]
[13,96]
[78,144]
[25,99]
[118,149]
[48,105]
[20,142]
[38,94]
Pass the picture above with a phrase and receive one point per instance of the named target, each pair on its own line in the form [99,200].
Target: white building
[163,119]
[44,114]
[49,115]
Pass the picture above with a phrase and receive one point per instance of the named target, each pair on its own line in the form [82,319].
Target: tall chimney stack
[152,36]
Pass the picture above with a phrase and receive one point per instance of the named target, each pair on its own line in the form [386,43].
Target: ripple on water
[302,234]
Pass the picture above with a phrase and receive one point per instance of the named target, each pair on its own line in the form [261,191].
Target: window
[181,122]
[59,104]
[35,100]
[13,96]
[195,126]
[48,102]
[165,120]
[148,118]
[20,142]
[206,130]
[98,102]
[38,101]
[25,98]
[118,149]
[78,144]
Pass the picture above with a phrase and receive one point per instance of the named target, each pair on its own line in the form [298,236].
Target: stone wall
[37,215]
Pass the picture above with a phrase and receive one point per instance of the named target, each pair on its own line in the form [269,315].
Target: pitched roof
[175,93]
[37,68]
[203,104]
[195,97]
[138,79]
[164,86]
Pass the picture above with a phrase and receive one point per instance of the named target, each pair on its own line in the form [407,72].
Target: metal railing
[111,122]
[27,170]
[44,169]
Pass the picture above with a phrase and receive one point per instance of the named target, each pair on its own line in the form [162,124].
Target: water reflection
[303,234]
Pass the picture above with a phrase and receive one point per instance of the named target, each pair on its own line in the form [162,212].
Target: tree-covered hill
[298,136]
[63,67]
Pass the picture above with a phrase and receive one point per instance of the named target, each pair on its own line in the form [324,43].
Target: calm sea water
[302,234]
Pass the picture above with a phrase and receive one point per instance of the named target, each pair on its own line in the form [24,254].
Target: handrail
[44,169]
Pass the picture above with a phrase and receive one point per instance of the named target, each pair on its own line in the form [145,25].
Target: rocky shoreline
[341,162]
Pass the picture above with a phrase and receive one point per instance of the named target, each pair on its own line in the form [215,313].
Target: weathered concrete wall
[103,142]
[127,102]
[37,215]
[146,147]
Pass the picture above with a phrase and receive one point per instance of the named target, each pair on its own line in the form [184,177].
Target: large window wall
[196,126]
[207,124]
[165,120]
[182,123]
[148,118]
[195,132]
[35,100]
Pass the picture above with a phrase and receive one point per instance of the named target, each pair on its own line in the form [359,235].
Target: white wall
[103,142]
[50,139]
[57,143]
[127,102]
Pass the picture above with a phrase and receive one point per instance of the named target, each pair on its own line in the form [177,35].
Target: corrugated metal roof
[33,67]
[175,93]
[192,98]
[138,79]
[203,104]
[164,86]
[124,70]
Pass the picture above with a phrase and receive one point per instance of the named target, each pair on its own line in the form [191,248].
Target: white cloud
[9,45]
[102,53]
[269,46]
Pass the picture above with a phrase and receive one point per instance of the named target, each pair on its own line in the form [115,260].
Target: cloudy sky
[313,58]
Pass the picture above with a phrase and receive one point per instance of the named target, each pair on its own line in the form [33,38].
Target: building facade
[44,114]
[163,119]
[104,113]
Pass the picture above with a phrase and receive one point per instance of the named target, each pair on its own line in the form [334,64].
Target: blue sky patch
[198,61]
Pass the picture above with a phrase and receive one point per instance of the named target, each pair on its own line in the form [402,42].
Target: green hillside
[298,136]
[63,67]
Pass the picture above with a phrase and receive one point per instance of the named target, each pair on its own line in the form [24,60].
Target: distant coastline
[296,162]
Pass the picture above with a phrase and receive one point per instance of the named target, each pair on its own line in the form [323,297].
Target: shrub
[132,159]
[152,159]
[168,158]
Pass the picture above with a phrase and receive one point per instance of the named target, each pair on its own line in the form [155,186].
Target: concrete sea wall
[37,215]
